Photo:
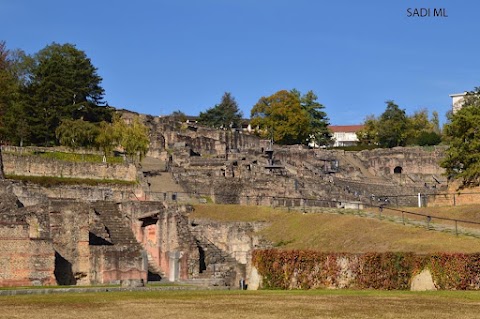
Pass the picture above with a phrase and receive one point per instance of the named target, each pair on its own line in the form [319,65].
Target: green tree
[133,138]
[318,120]
[436,122]
[428,138]
[76,133]
[417,125]
[281,117]
[62,84]
[6,84]
[179,116]
[462,132]
[368,135]
[224,115]
[392,126]
[14,68]
[107,139]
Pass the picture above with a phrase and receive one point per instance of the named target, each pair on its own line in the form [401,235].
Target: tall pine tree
[62,84]
[224,115]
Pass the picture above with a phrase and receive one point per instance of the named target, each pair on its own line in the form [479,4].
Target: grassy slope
[464,212]
[342,233]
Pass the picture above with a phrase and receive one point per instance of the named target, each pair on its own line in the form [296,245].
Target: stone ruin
[231,166]
[60,242]
[91,235]
[48,241]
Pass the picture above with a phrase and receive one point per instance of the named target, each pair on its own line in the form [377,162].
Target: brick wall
[25,261]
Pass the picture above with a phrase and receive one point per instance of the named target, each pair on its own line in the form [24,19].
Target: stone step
[119,231]
[153,267]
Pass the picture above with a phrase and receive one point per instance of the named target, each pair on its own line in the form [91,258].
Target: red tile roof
[345,128]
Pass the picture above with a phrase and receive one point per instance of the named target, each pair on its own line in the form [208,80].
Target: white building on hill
[457,101]
[345,135]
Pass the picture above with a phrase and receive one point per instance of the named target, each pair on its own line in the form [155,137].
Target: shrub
[391,270]
[429,138]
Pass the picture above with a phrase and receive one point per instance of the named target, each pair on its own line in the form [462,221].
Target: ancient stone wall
[407,160]
[25,260]
[69,228]
[25,165]
[164,231]
[455,195]
[115,265]
[27,256]
[166,133]
[380,194]
[237,239]
[31,194]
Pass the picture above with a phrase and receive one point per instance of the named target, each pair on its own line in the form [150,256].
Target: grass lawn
[245,304]
[73,157]
[339,233]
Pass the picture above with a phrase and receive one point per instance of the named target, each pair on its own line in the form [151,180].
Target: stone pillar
[174,266]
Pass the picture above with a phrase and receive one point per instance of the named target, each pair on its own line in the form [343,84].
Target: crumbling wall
[27,257]
[25,260]
[69,225]
[116,265]
[164,232]
[166,132]
[412,160]
[26,165]
[32,194]
[237,239]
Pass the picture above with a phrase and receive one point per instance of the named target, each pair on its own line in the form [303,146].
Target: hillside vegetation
[334,232]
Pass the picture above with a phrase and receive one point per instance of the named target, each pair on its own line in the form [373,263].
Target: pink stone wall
[111,265]
[25,261]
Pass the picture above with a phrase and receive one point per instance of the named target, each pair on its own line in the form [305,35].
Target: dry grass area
[236,212]
[245,304]
[339,233]
[460,213]
[464,212]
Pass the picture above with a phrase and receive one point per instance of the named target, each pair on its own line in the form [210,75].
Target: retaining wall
[30,165]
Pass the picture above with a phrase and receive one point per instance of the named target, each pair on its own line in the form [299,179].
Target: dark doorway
[202,266]
[63,271]
[153,276]
[398,170]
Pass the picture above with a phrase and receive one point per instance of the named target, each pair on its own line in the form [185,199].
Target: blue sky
[156,57]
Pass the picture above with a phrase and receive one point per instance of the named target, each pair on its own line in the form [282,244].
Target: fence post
[456,227]
[403,217]
[429,218]
[454,200]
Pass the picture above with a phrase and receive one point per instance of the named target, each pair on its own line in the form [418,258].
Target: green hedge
[282,269]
